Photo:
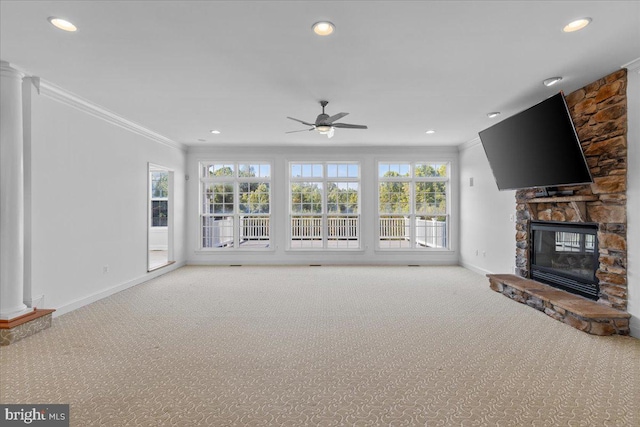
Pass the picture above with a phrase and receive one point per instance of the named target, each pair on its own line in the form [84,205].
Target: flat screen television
[537,147]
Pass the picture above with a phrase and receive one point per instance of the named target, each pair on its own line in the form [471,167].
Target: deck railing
[306,227]
[254,228]
[395,228]
[345,227]
[431,233]
[218,231]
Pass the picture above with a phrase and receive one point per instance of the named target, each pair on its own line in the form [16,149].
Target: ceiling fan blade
[303,130]
[348,126]
[301,121]
[335,117]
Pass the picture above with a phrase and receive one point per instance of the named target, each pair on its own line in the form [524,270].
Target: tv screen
[537,147]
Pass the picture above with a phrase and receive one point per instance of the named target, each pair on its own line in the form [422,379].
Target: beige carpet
[322,346]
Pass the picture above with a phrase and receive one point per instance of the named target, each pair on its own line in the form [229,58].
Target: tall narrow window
[236,205]
[325,205]
[413,209]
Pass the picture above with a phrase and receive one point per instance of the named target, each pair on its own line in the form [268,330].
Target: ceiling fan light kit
[325,124]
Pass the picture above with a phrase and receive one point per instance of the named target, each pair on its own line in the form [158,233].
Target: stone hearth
[574,310]
[24,326]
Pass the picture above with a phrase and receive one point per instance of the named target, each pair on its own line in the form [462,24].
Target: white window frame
[153,198]
[412,179]
[236,180]
[325,214]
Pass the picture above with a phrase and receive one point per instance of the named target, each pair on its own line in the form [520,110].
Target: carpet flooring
[322,346]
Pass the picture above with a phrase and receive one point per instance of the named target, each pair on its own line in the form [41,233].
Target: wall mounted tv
[537,147]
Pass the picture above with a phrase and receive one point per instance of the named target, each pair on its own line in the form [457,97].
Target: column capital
[7,70]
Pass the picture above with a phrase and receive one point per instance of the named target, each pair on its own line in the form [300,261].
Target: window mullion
[236,211]
[325,218]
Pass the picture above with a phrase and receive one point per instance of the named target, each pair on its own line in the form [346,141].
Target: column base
[16,313]
[24,326]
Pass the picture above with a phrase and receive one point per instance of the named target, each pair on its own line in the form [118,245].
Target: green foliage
[306,197]
[223,171]
[422,170]
[394,196]
[254,197]
[342,198]
[431,198]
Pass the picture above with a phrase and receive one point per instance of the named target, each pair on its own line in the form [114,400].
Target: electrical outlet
[511,217]
[477,252]
[105,269]
[471,182]
[484,253]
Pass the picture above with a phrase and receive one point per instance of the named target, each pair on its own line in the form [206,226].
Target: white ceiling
[401,67]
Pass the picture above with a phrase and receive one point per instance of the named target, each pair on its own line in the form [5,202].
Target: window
[159,198]
[236,205]
[413,209]
[325,205]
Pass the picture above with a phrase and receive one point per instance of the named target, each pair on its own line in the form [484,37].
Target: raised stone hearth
[24,326]
[574,310]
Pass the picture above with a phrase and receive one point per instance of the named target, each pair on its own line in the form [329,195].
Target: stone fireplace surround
[599,113]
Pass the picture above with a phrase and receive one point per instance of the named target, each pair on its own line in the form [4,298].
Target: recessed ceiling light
[493,114]
[215,132]
[576,25]
[551,81]
[323,28]
[62,24]
[430,132]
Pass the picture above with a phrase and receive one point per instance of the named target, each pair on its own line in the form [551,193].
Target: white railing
[254,228]
[306,227]
[431,233]
[217,231]
[342,227]
[394,228]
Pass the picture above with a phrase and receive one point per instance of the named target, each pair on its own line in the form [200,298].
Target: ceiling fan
[325,124]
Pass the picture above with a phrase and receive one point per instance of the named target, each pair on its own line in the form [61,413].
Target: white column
[11,194]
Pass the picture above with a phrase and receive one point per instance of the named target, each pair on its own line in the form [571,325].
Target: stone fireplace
[599,112]
[578,242]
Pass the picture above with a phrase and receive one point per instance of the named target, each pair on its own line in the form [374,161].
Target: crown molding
[466,145]
[632,65]
[65,97]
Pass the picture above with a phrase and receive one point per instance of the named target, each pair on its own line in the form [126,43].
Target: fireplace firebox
[565,255]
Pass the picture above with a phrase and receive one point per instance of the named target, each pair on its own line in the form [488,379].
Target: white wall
[280,156]
[633,198]
[487,225]
[89,204]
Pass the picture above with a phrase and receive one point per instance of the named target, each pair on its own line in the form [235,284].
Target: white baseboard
[81,302]
[475,268]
